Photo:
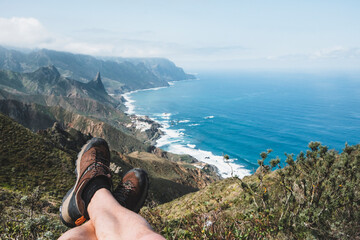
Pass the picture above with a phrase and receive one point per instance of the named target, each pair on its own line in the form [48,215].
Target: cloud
[333,53]
[210,50]
[23,32]
[88,48]
[31,33]
[337,52]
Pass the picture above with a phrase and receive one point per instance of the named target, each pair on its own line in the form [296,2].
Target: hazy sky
[196,34]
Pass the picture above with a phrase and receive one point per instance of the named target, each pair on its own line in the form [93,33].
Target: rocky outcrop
[97,83]
[145,129]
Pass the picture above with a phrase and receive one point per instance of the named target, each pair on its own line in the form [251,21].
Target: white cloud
[31,33]
[337,52]
[333,53]
[23,32]
[88,48]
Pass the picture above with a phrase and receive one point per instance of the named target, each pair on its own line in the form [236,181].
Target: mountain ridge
[120,75]
[48,81]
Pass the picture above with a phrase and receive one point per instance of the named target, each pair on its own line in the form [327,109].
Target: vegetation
[313,196]
[28,216]
[38,168]
[316,196]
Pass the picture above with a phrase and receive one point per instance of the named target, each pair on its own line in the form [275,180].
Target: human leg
[85,231]
[109,220]
[113,221]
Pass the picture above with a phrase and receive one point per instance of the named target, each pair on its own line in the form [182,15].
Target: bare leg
[113,221]
[110,220]
[85,231]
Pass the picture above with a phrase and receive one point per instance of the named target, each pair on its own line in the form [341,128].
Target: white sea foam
[173,141]
[129,104]
[184,121]
[142,126]
[194,124]
[171,136]
[166,115]
[224,168]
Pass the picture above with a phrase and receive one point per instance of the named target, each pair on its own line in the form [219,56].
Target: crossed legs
[110,220]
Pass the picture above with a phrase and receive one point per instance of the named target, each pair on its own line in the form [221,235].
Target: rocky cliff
[48,81]
[118,76]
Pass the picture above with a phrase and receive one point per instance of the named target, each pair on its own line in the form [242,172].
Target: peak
[48,74]
[51,69]
[97,83]
[98,77]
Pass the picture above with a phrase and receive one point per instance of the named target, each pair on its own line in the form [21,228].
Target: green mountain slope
[28,160]
[38,169]
[47,81]
[316,197]
[121,75]
[39,117]
[160,67]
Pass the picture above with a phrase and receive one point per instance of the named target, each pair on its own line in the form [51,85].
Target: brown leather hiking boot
[133,190]
[93,162]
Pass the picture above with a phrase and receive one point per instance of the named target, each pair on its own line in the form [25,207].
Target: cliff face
[160,67]
[38,117]
[124,75]
[48,81]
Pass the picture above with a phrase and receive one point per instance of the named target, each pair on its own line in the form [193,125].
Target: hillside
[315,197]
[48,81]
[43,164]
[160,67]
[124,75]
[38,117]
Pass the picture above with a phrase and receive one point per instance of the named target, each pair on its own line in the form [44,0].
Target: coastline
[170,139]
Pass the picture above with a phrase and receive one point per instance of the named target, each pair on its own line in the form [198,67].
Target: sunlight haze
[194,34]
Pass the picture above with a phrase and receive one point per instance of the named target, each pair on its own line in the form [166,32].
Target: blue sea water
[244,113]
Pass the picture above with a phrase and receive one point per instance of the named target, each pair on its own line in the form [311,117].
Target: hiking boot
[133,190]
[92,173]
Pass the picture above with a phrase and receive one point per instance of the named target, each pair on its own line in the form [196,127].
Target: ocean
[242,114]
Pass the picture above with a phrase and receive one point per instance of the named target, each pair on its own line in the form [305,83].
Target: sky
[196,34]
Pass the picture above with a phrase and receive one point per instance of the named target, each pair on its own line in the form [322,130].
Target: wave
[184,121]
[174,141]
[225,169]
[129,104]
